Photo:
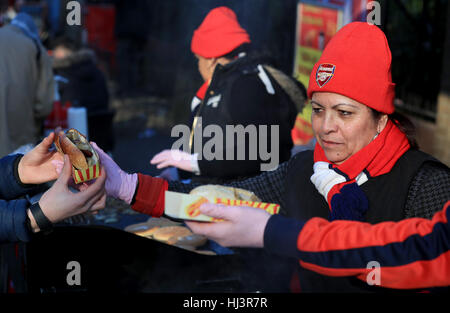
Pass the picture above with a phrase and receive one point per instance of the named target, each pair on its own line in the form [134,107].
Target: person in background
[240,88]
[14,7]
[27,86]
[84,85]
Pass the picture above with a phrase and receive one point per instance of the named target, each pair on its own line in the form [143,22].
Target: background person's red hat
[219,34]
[356,63]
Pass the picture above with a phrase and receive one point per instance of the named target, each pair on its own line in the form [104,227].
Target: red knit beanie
[356,63]
[219,34]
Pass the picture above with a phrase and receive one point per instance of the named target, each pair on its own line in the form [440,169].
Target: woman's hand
[175,158]
[40,165]
[243,226]
[59,203]
[119,184]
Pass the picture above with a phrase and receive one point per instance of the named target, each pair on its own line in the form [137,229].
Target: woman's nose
[329,124]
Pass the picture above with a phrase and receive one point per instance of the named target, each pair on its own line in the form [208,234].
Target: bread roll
[211,192]
[171,232]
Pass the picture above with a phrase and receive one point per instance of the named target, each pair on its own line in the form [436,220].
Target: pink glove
[119,184]
[176,158]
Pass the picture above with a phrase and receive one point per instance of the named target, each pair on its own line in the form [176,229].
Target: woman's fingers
[164,164]
[160,157]
[102,154]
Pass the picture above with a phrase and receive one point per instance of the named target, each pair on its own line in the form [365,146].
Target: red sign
[317,26]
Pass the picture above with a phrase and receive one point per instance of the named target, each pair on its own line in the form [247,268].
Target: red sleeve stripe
[150,195]
[319,235]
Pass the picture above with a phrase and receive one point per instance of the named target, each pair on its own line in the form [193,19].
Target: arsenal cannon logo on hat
[324,73]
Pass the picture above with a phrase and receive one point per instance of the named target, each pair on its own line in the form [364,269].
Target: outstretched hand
[40,164]
[175,158]
[119,184]
[242,226]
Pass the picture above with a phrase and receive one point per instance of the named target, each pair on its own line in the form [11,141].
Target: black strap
[42,221]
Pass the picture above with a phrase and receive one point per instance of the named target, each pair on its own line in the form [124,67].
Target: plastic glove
[119,184]
[176,158]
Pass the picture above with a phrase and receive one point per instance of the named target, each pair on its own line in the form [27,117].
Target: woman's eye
[317,110]
[345,113]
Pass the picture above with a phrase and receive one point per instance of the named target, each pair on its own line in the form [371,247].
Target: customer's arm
[413,253]
[10,185]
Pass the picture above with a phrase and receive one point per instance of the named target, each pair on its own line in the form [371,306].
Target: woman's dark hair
[403,123]
[263,56]
[245,47]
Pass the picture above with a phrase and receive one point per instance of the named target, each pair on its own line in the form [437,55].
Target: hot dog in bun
[75,145]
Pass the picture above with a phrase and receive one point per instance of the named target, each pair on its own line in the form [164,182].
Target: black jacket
[243,92]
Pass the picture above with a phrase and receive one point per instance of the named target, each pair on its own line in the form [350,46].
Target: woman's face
[342,126]
[205,67]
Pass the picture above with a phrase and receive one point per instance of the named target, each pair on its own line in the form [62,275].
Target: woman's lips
[330,143]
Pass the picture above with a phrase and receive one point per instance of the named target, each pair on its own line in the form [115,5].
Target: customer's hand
[175,158]
[119,184]
[40,164]
[242,226]
[59,203]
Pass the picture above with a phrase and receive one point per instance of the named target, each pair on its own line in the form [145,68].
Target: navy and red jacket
[412,253]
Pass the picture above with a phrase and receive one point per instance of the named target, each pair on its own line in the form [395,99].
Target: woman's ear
[382,122]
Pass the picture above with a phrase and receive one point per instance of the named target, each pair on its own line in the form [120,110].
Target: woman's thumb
[102,154]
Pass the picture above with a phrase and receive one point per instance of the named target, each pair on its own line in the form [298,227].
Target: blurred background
[143,50]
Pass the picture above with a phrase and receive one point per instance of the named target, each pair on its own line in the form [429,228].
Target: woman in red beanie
[239,90]
[365,166]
